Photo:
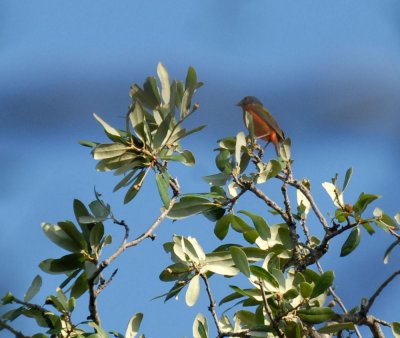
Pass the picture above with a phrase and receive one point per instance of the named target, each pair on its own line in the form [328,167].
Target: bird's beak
[240,103]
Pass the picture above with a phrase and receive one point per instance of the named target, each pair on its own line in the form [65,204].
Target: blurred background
[328,71]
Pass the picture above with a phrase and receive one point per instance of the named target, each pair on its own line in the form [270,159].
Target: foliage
[278,287]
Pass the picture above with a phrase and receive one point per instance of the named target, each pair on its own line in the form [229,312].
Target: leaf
[217,179]
[64,264]
[193,291]
[200,327]
[363,201]
[315,315]
[222,226]
[240,259]
[306,289]
[162,181]
[99,209]
[33,289]
[263,274]
[80,286]
[161,135]
[259,223]
[106,126]
[396,329]
[284,149]
[240,142]
[7,299]
[151,91]
[333,328]
[125,181]
[303,201]
[59,237]
[96,234]
[335,195]
[389,250]
[397,218]
[351,242]
[165,83]
[349,172]
[188,206]
[324,282]
[89,144]
[134,325]
[109,150]
[134,189]
[239,225]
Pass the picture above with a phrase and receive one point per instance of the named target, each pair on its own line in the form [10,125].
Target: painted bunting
[265,126]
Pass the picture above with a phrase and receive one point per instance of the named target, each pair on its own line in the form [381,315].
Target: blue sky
[328,71]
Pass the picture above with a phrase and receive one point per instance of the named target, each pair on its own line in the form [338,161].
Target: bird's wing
[267,117]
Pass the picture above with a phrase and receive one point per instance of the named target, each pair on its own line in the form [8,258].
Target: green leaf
[193,291]
[161,136]
[109,150]
[64,264]
[33,289]
[239,225]
[222,161]
[306,289]
[7,299]
[99,209]
[396,329]
[89,144]
[284,149]
[240,142]
[174,272]
[222,226]
[389,250]
[70,229]
[214,213]
[349,172]
[217,179]
[59,237]
[324,282]
[134,325]
[134,189]
[106,126]
[162,181]
[363,201]
[125,181]
[315,315]
[151,91]
[240,259]
[96,235]
[165,83]
[186,158]
[263,274]
[200,327]
[333,328]
[188,206]
[80,286]
[259,223]
[351,242]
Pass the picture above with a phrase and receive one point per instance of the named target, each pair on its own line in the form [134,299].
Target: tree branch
[211,307]
[16,333]
[379,290]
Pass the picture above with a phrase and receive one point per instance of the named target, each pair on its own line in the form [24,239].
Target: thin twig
[379,290]
[211,307]
[267,309]
[16,333]
[337,299]
[44,312]
[298,185]
[93,293]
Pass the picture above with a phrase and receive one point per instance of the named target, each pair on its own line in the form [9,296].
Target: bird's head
[248,100]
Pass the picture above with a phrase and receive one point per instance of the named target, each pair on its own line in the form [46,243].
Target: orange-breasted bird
[264,125]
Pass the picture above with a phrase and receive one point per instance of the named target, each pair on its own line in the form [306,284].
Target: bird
[264,125]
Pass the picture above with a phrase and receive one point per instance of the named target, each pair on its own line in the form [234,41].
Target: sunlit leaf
[315,315]
[336,327]
[165,83]
[106,126]
[240,259]
[324,282]
[193,291]
[33,289]
[134,325]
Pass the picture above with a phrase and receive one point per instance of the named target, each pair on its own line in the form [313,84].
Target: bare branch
[298,185]
[379,290]
[267,309]
[16,333]
[211,307]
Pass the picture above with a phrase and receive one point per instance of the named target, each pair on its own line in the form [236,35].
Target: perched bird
[264,125]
